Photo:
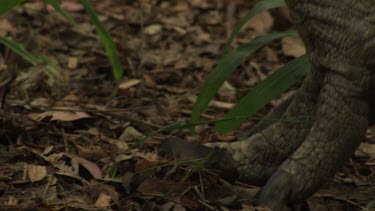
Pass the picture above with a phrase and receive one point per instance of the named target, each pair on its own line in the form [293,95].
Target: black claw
[276,191]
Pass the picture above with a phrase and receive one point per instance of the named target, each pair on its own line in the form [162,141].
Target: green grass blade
[226,66]
[258,8]
[109,46]
[264,92]
[51,68]
[6,5]
[20,50]
[56,5]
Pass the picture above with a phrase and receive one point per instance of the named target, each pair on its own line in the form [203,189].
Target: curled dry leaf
[90,166]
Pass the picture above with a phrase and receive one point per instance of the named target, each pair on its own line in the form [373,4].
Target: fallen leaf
[64,116]
[261,23]
[90,166]
[366,150]
[72,62]
[152,29]
[293,46]
[6,27]
[36,173]
[68,6]
[130,134]
[104,200]
[129,83]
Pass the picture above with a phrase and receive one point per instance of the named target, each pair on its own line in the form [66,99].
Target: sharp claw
[276,191]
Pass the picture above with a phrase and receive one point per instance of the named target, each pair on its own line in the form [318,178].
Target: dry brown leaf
[203,4]
[172,89]
[182,64]
[153,29]
[168,206]
[104,200]
[271,55]
[149,156]
[227,92]
[90,166]
[71,97]
[34,6]
[179,30]
[293,46]
[222,105]
[130,134]
[41,102]
[129,83]
[35,173]
[69,6]
[213,18]
[6,27]
[214,103]
[72,62]
[122,146]
[64,116]
[177,20]
[92,153]
[366,150]
[261,23]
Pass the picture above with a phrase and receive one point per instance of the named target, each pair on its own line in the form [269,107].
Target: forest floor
[67,145]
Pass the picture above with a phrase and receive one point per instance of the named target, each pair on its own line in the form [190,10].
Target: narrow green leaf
[109,46]
[56,5]
[226,66]
[51,68]
[6,5]
[258,8]
[264,92]
[20,50]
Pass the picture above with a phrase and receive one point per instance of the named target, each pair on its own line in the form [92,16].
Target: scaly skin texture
[260,155]
[339,36]
[333,103]
[327,119]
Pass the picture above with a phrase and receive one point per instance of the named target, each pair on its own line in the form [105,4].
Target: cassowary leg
[260,155]
[330,142]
